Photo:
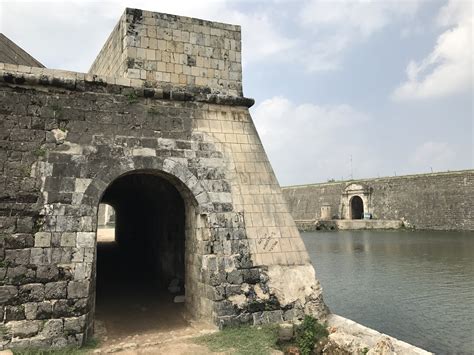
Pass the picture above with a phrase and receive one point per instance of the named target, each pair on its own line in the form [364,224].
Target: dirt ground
[136,315]
[149,324]
[175,340]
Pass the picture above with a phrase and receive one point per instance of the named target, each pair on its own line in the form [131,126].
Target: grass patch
[309,333]
[132,98]
[86,349]
[40,152]
[242,340]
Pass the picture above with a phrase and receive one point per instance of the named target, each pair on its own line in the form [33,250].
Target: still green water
[417,286]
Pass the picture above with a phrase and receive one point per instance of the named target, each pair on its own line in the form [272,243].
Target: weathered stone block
[24,328]
[235,277]
[43,239]
[85,239]
[82,271]
[81,185]
[30,310]
[44,310]
[20,275]
[77,307]
[46,273]
[61,309]
[214,279]
[24,225]
[224,308]
[89,255]
[14,313]
[294,314]
[17,256]
[61,255]
[78,289]
[19,241]
[231,290]
[55,290]
[77,255]
[53,328]
[40,256]
[40,310]
[68,239]
[31,293]
[216,293]
[74,325]
[251,276]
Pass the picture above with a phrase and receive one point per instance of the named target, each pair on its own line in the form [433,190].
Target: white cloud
[448,69]
[436,155]
[412,30]
[315,141]
[260,37]
[69,35]
[355,17]
[335,26]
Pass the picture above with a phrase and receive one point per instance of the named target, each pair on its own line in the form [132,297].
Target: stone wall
[443,201]
[67,136]
[112,58]
[177,50]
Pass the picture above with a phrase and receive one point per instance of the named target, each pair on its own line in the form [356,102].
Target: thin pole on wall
[352,177]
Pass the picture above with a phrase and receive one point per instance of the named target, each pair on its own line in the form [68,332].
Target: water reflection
[417,286]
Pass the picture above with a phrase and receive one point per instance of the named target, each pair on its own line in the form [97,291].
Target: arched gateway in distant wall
[160,130]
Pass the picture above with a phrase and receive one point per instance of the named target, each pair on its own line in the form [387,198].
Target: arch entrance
[355,201]
[141,273]
[357,208]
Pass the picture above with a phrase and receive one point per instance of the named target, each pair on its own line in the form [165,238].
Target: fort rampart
[438,201]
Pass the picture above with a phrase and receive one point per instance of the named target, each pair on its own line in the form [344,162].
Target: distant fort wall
[438,201]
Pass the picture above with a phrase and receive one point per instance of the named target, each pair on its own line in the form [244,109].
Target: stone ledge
[366,336]
[310,225]
[12,74]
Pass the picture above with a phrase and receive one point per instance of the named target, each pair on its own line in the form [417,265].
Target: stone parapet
[178,50]
[19,74]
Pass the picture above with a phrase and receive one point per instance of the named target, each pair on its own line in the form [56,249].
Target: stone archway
[140,276]
[357,207]
[355,201]
[151,187]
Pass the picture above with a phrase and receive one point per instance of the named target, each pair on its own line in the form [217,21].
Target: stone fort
[158,129]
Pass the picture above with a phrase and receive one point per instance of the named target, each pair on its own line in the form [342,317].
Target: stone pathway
[174,341]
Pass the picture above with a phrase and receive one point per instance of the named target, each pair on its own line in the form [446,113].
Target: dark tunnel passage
[357,208]
[135,272]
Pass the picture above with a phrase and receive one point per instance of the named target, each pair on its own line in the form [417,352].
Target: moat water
[416,286]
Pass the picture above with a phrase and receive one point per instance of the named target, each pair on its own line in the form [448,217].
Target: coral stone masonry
[180,51]
[160,130]
[436,201]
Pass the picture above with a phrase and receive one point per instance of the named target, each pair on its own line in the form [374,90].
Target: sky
[342,89]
